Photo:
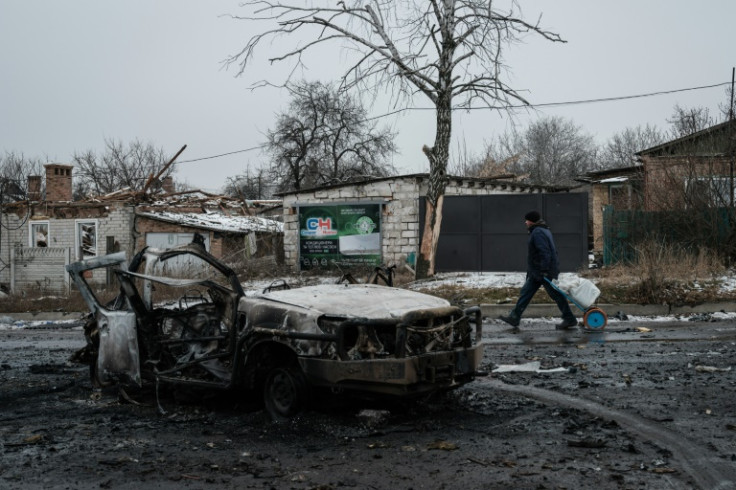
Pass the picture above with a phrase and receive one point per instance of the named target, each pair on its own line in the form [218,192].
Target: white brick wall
[117,221]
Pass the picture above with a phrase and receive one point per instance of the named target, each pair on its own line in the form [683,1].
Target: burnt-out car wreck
[284,345]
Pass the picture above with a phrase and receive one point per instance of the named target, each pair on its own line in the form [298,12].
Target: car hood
[355,300]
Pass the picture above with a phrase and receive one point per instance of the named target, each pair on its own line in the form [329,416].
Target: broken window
[86,239]
[39,236]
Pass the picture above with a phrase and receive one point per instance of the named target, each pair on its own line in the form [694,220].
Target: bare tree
[728,109]
[250,185]
[15,168]
[550,151]
[449,51]
[686,121]
[496,161]
[554,151]
[325,137]
[621,148]
[118,167]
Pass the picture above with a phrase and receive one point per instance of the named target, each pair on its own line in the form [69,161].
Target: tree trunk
[430,238]
[438,157]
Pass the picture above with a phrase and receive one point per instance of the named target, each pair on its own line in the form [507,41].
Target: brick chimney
[34,187]
[168,185]
[58,182]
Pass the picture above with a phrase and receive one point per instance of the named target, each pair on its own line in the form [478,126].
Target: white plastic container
[585,293]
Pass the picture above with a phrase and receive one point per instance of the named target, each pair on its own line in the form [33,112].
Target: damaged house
[683,177]
[42,234]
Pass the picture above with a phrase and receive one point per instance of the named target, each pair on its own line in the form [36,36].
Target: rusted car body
[285,344]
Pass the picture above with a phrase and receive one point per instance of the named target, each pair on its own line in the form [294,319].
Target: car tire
[285,392]
[94,376]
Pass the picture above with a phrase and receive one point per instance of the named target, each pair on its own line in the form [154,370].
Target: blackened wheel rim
[284,392]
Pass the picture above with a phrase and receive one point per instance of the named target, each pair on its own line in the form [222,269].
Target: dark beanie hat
[532,216]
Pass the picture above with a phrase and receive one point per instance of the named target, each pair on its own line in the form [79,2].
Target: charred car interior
[183,318]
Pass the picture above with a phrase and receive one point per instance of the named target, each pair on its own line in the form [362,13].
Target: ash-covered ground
[642,405]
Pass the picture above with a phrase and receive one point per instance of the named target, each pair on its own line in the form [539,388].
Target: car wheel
[285,392]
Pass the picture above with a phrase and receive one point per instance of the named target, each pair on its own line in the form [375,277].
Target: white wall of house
[62,233]
[400,215]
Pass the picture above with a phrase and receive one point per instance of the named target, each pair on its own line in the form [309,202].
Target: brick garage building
[399,199]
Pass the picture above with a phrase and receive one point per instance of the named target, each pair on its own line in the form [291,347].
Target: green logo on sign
[365,225]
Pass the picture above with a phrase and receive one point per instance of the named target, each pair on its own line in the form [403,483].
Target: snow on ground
[478,280]
[516,280]
[728,283]
[7,322]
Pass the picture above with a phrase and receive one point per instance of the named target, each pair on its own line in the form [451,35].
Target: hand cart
[594,318]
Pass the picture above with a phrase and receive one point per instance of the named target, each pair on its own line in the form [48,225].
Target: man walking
[542,263]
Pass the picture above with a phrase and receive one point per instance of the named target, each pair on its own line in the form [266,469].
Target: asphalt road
[640,405]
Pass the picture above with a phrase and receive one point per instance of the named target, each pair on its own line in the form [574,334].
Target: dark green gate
[487,233]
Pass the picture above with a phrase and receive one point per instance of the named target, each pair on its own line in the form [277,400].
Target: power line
[223,154]
[510,106]
[557,104]
[624,97]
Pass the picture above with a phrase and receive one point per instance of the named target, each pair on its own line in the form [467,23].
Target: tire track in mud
[709,473]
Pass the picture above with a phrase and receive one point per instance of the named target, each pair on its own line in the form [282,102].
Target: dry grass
[663,274]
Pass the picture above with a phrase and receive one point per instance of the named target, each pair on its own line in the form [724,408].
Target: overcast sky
[76,72]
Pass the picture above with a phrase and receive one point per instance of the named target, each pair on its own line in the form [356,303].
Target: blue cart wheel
[595,319]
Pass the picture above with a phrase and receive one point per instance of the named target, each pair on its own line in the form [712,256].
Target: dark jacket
[542,256]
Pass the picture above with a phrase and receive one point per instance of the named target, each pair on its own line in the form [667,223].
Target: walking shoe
[566,324]
[511,320]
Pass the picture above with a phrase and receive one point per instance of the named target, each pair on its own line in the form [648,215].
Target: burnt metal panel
[487,233]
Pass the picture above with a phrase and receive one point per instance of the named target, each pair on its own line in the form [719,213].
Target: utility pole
[732,141]
[730,108]
[731,145]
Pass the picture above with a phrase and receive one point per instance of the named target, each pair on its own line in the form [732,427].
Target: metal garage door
[487,233]
[184,265]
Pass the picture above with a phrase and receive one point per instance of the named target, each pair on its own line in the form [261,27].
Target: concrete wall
[39,269]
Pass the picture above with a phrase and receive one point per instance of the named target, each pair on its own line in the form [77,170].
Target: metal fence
[625,230]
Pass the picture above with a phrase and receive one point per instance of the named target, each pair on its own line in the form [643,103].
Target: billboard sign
[349,234]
